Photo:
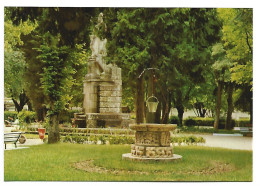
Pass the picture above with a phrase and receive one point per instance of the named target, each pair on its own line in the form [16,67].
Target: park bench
[246,131]
[12,137]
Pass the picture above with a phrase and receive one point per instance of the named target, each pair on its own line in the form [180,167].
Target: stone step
[79,115]
[108,116]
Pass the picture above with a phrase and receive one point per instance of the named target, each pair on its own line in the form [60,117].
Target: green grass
[34,136]
[55,163]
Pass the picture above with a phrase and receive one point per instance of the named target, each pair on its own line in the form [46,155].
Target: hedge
[198,121]
[174,120]
[188,140]
[107,131]
[112,139]
[242,122]
[103,139]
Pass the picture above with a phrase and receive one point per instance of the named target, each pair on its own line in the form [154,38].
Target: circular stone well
[152,142]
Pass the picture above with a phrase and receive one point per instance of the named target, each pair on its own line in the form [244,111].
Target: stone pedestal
[152,142]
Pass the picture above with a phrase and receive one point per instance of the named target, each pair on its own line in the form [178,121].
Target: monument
[102,89]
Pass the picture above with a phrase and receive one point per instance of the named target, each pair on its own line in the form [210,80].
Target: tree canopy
[199,52]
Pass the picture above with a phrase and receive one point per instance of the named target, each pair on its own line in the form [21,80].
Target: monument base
[129,156]
[103,120]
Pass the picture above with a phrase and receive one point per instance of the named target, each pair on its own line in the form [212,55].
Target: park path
[230,142]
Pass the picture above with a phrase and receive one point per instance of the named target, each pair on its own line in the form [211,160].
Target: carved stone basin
[152,142]
[153,127]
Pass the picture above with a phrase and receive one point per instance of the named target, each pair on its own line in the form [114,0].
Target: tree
[72,27]
[56,81]
[221,68]
[238,42]
[14,61]
[202,96]
[33,73]
[160,38]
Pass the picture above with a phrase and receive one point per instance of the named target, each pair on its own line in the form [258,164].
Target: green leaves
[14,61]
[238,42]
[56,78]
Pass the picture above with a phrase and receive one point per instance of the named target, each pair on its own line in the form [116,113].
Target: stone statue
[98,48]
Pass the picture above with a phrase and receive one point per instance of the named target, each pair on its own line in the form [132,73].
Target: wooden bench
[12,137]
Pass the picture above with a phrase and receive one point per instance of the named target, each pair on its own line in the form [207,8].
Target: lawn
[78,162]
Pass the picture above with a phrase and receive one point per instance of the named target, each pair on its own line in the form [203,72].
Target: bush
[196,129]
[174,120]
[222,123]
[12,114]
[198,121]
[187,140]
[204,121]
[121,140]
[26,116]
[190,122]
[102,138]
[242,122]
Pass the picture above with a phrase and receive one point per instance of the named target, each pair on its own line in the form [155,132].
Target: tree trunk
[150,116]
[180,110]
[41,113]
[23,100]
[164,112]
[18,107]
[218,104]
[54,131]
[166,109]
[30,108]
[251,111]
[230,107]
[139,101]
[158,112]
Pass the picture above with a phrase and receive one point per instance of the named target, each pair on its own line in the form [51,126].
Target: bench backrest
[14,136]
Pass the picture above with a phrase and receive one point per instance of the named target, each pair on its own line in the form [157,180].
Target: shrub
[190,122]
[187,140]
[26,116]
[242,122]
[121,140]
[222,123]
[196,129]
[174,120]
[12,114]
[94,139]
[204,121]
[198,121]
